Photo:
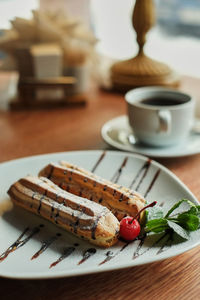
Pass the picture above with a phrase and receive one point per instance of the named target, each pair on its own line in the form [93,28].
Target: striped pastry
[120,200]
[78,215]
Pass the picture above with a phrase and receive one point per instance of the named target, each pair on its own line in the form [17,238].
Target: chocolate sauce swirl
[98,161]
[118,173]
[110,255]
[67,252]
[87,254]
[152,183]
[143,170]
[137,252]
[45,245]
[20,242]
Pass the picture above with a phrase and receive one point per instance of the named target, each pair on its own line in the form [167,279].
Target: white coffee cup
[160,116]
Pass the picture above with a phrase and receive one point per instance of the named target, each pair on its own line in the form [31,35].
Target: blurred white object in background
[11,8]
[77,8]
[47,60]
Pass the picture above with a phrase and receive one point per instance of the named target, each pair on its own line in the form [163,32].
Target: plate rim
[87,271]
[111,142]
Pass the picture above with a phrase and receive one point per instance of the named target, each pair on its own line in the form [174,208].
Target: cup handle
[164,121]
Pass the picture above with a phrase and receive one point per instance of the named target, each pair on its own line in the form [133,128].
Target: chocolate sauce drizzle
[40,204]
[110,255]
[45,245]
[57,213]
[152,182]
[141,243]
[98,161]
[52,209]
[67,252]
[75,225]
[137,253]
[87,254]
[143,170]
[33,195]
[117,175]
[20,242]
[56,206]
[165,246]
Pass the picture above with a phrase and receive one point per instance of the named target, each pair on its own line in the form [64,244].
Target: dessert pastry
[120,200]
[85,219]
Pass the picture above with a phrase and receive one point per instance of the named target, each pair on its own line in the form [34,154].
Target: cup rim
[157,90]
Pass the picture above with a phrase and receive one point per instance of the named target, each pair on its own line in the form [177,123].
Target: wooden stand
[142,70]
[54,91]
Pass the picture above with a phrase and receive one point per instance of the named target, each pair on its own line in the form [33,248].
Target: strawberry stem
[147,206]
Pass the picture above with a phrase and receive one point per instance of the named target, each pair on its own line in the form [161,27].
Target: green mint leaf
[176,205]
[155,212]
[156,225]
[189,221]
[177,225]
[195,210]
[178,230]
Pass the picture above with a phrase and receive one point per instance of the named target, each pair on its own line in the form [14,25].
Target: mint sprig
[180,223]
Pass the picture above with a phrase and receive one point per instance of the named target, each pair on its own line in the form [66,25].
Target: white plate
[118,134]
[167,189]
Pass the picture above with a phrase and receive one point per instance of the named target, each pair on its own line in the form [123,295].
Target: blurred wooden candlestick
[142,70]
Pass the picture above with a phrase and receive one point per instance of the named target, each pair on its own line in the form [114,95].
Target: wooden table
[24,133]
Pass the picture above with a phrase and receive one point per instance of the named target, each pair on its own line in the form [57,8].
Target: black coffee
[162,101]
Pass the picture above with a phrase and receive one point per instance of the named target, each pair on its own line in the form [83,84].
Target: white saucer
[118,134]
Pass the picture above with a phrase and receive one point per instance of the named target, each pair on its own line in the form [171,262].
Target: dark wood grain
[24,133]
